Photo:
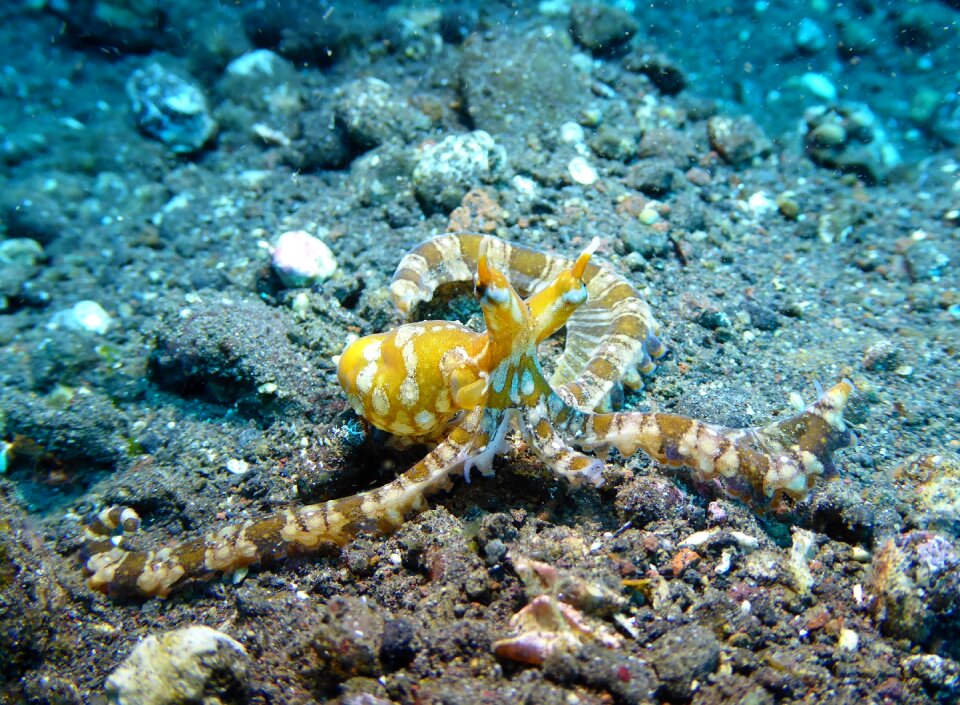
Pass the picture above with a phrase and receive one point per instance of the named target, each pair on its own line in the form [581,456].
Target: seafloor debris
[547,625]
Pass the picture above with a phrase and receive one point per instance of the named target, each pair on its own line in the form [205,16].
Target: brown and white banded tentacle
[156,573]
[757,465]
[612,338]
[549,444]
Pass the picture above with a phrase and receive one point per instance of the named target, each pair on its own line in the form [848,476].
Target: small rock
[761,317]
[446,171]
[881,356]
[614,143]
[320,144]
[925,261]
[714,320]
[848,137]
[19,258]
[262,80]
[737,140]
[654,177]
[191,665]
[520,85]
[660,69]
[170,108]
[397,648]
[601,28]
[809,37]
[371,113]
[683,655]
[819,86]
[300,259]
[936,672]
[582,171]
[83,316]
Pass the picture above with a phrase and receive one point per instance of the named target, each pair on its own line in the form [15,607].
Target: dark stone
[682,655]
[520,85]
[714,320]
[304,31]
[614,143]
[236,354]
[737,140]
[320,145]
[660,69]
[761,317]
[601,28]
[397,647]
[654,177]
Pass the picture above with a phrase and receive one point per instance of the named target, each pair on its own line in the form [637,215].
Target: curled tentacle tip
[580,266]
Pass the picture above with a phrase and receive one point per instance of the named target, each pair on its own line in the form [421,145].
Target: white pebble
[582,171]
[849,640]
[571,133]
[819,86]
[84,315]
[238,466]
[525,186]
[300,259]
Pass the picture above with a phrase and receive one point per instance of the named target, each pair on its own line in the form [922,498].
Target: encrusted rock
[371,113]
[654,177]
[737,140]
[601,28]
[192,665]
[448,169]
[930,484]
[170,108]
[662,71]
[684,655]
[521,85]
[917,587]
[849,138]
[263,80]
[614,143]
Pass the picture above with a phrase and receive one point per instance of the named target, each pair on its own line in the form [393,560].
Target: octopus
[473,395]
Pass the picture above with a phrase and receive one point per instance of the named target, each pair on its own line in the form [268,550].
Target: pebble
[880,356]
[264,81]
[300,259]
[582,171]
[170,108]
[82,316]
[372,113]
[809,37]
[819,86]
[191,665]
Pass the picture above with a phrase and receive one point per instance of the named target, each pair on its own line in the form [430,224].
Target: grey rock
[371,113]
[521,85]
[170,108]
[737,140]
[848,137]
[192,665]
[447,170]
[601,28]
[683,655]
[262,80]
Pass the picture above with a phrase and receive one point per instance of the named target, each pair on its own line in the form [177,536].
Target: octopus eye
[480,290]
